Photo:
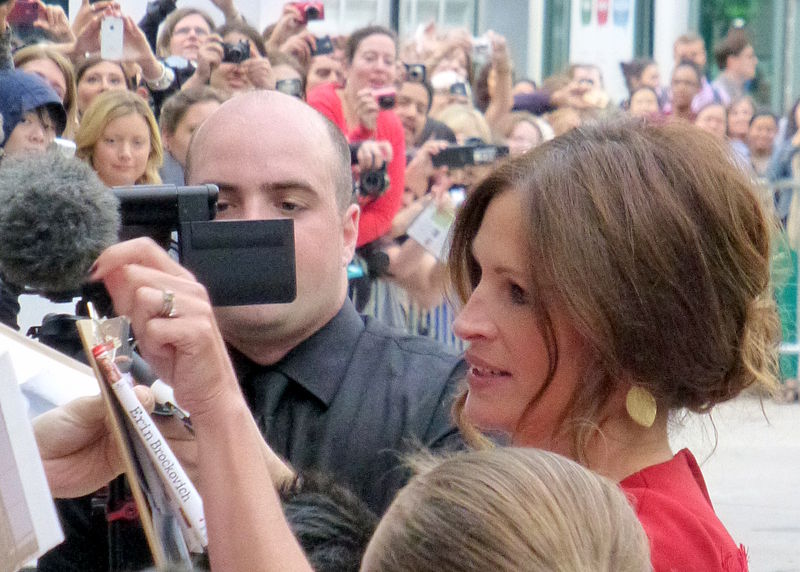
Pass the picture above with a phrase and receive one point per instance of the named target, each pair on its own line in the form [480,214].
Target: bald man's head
[259,114]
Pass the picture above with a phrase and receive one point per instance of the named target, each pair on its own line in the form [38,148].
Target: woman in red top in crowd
[370,66]
[611,277]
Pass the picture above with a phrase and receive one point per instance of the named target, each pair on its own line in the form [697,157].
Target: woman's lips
[482,374]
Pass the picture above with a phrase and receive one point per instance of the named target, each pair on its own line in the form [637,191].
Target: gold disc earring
[641,406]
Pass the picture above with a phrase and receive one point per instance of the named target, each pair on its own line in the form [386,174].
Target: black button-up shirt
[348,401]
[351,399]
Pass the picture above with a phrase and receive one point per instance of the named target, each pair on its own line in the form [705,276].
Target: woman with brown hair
[599,303]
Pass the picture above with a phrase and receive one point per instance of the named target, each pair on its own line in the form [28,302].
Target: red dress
[376,217]
[672,503]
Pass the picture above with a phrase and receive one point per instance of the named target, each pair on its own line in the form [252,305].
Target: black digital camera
[458,156]
[373,183]
[416,73]
[310,10]
[324,46]
[293,87]
[386,97]
[235,53]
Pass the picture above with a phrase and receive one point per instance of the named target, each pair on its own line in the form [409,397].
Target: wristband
[164,81]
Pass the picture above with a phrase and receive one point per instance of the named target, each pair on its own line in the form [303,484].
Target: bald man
[329,389]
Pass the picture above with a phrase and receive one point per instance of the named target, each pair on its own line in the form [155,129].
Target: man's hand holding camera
[300,46]
[259,72]
[289,24]
[209,56]
[54,21]
[420,169]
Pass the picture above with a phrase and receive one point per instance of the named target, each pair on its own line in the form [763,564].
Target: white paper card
[29,525]
[431,228]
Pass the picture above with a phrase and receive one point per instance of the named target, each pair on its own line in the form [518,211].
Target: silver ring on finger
[167,304]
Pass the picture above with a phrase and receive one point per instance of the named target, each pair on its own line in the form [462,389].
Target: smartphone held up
[111,38]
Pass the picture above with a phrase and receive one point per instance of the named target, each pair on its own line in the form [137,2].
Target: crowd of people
[528,374]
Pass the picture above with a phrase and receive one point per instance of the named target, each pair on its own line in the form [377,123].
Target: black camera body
[370,184]
[293,87]
[373,183]
[323,46]
[416,73]
[458,156]
[235,53]
[310,10]
[260,251]
[460,88]
[386,97]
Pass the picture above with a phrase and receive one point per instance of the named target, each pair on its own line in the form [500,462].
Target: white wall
[604,44]
[535,40]
[672,19]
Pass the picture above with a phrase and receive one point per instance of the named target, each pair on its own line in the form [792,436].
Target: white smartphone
[65,147]
[111,38]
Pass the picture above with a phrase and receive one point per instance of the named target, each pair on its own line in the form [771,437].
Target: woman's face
[49,72]
[761,134]
[685,86]
[739,117]
[651,77]
[33,134]
[712,119]
[507,356]
[188,34]
[373,63]
[178,143]
[524,137]
[102,76]
[454,60]
[120,155]
[644,103]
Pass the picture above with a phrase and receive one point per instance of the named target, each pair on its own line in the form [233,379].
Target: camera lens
[312,13]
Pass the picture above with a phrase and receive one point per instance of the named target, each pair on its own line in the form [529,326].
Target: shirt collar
[319,364]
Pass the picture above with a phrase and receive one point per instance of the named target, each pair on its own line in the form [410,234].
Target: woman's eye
[518,294]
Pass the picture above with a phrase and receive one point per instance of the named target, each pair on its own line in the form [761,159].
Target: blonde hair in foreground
[508,509]
[112,105]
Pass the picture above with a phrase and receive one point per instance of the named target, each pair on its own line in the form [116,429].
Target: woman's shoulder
[389,124]
[323,92]
[672,503]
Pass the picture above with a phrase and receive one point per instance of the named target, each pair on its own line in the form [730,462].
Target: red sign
[602,12]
